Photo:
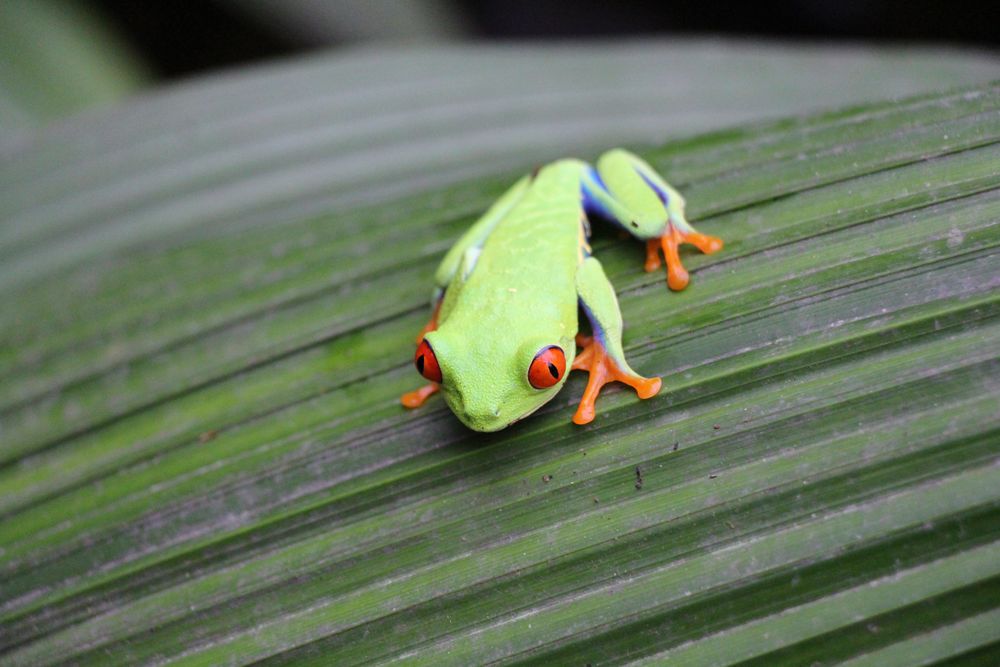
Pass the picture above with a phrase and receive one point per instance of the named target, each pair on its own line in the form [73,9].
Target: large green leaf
[204,459]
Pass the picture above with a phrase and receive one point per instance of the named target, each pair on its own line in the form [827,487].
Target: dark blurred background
[178,39]
[60,57]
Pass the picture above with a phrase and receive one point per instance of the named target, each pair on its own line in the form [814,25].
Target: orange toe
[583,358]
[417,397]
[652,255]
[646,387]
[707,244]
[669,243]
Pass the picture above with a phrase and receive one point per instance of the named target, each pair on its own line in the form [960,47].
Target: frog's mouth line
[500,423]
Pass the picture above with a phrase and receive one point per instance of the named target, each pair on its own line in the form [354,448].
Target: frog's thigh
[601,306]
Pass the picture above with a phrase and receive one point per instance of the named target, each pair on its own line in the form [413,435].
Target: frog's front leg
[602,355]
[625,189]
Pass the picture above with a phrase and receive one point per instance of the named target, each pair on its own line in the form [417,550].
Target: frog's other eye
[426,362]
[547,368]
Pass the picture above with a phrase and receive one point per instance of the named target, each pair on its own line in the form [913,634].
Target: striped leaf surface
[204,460]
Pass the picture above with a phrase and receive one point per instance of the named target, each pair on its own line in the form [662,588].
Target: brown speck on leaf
[208,435]
[676,445]
[730,524]
[638,478]
[716,427]
[596,500]
[712,476]
[546,478]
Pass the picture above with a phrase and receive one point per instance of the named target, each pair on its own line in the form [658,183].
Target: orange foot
[416,398]
[677,276]
[603,370]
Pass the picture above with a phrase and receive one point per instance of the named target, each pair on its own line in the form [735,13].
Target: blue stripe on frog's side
[655,188]
[595,328]
[591,203]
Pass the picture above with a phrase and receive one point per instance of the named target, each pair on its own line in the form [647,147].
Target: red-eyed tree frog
[508,293]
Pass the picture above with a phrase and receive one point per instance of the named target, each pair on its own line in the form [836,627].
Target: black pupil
[420,364]
[553,370]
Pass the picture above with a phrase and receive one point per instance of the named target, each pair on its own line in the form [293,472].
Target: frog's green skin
[514,283]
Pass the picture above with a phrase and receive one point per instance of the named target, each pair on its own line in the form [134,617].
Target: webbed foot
[677,275]
[603,369]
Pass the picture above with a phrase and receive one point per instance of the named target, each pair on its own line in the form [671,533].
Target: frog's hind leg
[626,190]
[677,230]
[602,354]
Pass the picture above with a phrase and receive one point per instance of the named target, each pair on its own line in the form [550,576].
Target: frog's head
[492,383]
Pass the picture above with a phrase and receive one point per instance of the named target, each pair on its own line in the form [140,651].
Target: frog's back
[530,258]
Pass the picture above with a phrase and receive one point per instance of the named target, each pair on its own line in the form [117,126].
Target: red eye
[547,368]
[426,362]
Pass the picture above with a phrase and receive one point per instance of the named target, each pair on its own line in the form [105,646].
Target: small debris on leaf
[676,445]
[716,427]
[638,478]
[208,435]
[712,476]
[546,478]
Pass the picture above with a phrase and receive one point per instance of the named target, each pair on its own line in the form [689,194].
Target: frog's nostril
[485,413]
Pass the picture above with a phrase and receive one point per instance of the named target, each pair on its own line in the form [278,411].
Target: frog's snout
[483,418]
[484,415]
